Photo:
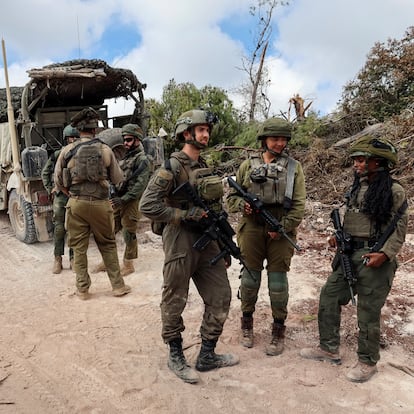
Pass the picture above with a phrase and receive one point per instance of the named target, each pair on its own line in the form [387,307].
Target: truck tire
[21,218]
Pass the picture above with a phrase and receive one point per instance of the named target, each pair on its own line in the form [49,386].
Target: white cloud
[320,46]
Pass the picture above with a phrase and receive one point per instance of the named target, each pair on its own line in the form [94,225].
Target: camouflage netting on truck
[78,82]
[16,97]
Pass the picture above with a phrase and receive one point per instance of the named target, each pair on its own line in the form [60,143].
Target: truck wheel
[21,218]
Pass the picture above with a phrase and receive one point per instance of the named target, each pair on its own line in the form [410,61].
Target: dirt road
[105,355]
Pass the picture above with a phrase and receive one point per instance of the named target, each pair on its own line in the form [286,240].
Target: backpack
[88,160]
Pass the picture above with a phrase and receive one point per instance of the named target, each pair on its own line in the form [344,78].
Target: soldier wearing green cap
[137,170]
[278,182]
[376,206]
[83,172]
[60,200]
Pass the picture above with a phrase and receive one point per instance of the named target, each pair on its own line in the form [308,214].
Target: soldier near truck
[83,171]
[59,200]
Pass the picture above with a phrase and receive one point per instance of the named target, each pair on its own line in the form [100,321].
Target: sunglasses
[129,139]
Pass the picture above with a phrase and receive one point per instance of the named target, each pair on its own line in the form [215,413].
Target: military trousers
[257,248]
[126,219]
[84,217]
[371,288]
[59,232]
[182,264]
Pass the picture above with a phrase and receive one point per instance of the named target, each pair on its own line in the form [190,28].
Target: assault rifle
[258,207]
[215,227]
[343,252]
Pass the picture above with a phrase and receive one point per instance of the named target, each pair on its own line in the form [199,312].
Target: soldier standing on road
[60,200]
[373,202]
[83,171]
[278,181]
[182,262]
[137,170]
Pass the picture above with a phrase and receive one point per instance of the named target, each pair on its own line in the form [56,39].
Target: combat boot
[247,331]
[277,344]
[178,364]
[57,265]
[99,268]
[124,290]
[208,359]
[127,268]
[361,372]
[319,354]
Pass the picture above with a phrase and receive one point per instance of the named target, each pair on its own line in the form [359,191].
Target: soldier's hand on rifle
[116,203]
[194,214]
[374,259]
[331,241]
[247,209]
[274,235]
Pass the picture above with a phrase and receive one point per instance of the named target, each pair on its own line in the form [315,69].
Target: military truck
[40,111]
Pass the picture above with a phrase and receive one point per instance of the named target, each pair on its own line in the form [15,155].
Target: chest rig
[208,185]
[273,182]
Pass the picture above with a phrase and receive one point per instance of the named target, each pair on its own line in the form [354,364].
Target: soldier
[82,172]
[60,200]
[278,181]
[137,170]
[375,206]
[182,262]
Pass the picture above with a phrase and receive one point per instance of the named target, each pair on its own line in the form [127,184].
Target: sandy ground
[105,355]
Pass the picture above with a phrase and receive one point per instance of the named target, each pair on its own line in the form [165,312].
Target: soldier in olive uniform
[60,200]
[375,205]
[182,262]
[137,171]
[83,171]
[277,180]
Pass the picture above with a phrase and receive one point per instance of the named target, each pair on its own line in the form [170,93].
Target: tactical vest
[356,223]
[273,182]
[88,171]
[208,185]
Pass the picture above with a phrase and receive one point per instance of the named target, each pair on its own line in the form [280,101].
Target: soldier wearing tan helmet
[277,180]
[83,171]
[182,262]
[375,206]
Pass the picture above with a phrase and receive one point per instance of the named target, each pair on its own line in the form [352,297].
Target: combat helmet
[113,138]
[70,131]
[192,118]
[134,130]
[372,147]
[275,127]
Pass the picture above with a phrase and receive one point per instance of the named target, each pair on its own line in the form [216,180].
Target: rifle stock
[258,207]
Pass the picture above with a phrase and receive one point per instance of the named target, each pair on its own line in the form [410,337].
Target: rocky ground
[105,355]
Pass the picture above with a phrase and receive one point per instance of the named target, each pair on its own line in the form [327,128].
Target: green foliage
[247,135]
[385,85]
[178,98]
[305,130]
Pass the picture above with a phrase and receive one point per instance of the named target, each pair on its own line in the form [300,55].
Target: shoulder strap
[290,180]
[76,148]
[391,227]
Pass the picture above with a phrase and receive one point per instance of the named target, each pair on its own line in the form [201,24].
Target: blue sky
[317,45]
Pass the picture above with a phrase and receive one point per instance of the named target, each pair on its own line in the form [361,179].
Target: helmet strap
[194,142]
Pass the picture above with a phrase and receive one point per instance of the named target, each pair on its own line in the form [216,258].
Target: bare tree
[254,65]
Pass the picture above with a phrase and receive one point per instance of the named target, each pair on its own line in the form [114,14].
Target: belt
[362,243]
[87,198]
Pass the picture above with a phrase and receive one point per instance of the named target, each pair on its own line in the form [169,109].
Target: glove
[194,214]
[116,203]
